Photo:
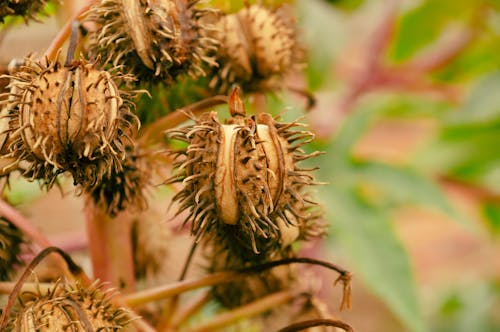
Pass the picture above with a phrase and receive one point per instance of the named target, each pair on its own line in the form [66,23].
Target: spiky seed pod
[154,39]
[125,186]
[68,308]
[242,180]
[10,247]
[24,8]
[68,118]
[258,46]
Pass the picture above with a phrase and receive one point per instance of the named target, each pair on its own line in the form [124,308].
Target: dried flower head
[242,180]
[154,39]
[68,118]
[258,46]
[68,308]
[10,247]
[25,8]
[125,186]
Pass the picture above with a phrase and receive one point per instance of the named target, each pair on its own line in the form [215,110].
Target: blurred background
[408,112]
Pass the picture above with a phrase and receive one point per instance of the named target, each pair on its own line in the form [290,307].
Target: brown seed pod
[154,39]
[125,186]
[25,8]
[10,247]
[68,308]
[68,118]
[258,46]
[242,180]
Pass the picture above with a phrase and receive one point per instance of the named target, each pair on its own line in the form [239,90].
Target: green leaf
[423,24]
[376,253]
[491,212]
[482,105]
[401,186]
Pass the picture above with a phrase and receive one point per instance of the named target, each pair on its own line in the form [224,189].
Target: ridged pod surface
[258,46]
[68,308]
[10,247]
[242,182]
[25,8]
[68,118]
[154,39]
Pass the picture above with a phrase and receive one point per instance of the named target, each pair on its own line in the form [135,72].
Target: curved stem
[158,293]
[317,322]
[65,32]
[20,221]
[171,120]
[73,267]
[250,310]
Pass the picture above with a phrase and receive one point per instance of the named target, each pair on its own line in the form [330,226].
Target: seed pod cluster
[242,182]
[258,47]
[10,247]
[154,39]
[67,118]
[25,8]
[68,308]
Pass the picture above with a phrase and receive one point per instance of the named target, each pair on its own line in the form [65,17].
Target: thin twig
[247,311]
[20,221]
[73,267]
[189,310]
[153,131]
[65,31]
[317,322]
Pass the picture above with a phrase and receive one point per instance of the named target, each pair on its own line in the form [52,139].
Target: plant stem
[110,246]
[18,220]
[250,310]
[317,322]
[6,287]
[189,310]
[153,132]
[65,32]
[162,292]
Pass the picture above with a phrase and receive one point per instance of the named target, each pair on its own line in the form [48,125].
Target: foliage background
[408,113]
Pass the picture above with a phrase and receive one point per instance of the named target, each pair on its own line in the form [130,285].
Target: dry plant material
[242,182]
[68,308]
[258,47]
[11,239]
[68,118]
[154,39]
[24,8]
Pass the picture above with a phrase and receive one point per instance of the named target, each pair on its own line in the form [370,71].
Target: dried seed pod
[123,187]
[154,39]
[25,8]
[10,247]
[242,180]
[258,46]
[68,118]
[68,308]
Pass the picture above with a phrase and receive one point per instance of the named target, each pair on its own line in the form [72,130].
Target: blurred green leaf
[376,253]
[491,212]
[470,308]
[397,186]
[482,105]
[423,24]
[466,147]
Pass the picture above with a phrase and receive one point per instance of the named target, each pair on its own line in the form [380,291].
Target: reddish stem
[110,247]
[65,31]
